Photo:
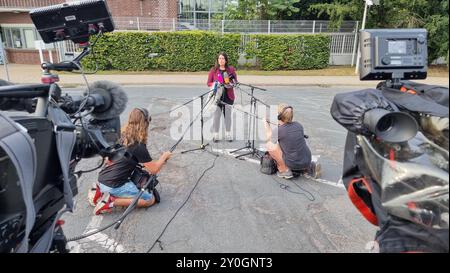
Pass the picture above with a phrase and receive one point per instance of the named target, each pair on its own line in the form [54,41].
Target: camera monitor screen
[74,21]
[388,54]
[396,47]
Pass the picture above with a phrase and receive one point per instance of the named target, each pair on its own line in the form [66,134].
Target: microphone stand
[250,145]
[202,145]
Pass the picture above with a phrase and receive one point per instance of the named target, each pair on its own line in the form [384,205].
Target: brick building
[19,34]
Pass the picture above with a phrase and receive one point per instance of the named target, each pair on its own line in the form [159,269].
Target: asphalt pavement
[234,207]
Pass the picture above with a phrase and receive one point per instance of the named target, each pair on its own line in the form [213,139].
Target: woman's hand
[166,156]
[268,129]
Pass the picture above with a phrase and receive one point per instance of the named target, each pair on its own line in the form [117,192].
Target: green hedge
[290,52]
[197,50]
[177,51]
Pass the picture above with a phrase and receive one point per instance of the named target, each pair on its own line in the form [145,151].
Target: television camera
[396,152]
[39,150]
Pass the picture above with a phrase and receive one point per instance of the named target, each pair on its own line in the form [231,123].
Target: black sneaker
[157,196]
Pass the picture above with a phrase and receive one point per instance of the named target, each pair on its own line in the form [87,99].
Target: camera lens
[385,124]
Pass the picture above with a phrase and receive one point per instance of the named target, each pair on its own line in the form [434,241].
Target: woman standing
[224,74]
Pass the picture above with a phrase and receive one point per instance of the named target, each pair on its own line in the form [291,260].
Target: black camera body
[48,190]
[60,131]
[93,137]
[396,158]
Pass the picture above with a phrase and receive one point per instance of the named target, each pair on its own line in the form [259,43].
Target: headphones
[280,115]
[145,113]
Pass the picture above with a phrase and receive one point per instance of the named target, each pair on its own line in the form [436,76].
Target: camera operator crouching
[115,188]
[291,154]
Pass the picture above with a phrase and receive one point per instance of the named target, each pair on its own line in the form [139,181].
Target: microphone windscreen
[219,77]
[226,78]
[118,99]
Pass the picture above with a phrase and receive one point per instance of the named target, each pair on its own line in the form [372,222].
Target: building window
[201,9]
[19,37]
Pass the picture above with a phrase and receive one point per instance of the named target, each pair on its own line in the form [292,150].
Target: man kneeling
[291,153]
[115,187]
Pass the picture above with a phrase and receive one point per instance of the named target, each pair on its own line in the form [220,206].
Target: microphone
[219,94]
[233,79]
[108,99]
[219,77]
[214,87]
[226,79]
[115,100]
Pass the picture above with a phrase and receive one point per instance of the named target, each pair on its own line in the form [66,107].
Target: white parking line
[100,238]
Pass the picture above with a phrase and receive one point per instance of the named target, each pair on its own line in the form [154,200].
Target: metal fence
[340,43]
[145,23]
[343,47]
[232,26]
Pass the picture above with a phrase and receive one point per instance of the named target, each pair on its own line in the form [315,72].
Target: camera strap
[19,147]
[65,141]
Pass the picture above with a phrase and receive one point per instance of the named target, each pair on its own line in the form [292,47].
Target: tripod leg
[243,148]
[254,126]
[201,118]
[202,123]
[242,155]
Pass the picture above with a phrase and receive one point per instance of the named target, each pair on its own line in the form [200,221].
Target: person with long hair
[224,74]
[115,188]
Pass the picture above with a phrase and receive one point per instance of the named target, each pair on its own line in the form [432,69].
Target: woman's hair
[217,66]
[285,113]
[136,129]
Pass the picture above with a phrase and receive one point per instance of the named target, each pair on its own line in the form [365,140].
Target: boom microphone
[107,98]
[115,97]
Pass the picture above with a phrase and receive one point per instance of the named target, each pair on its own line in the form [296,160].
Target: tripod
[202,145]
[250,145]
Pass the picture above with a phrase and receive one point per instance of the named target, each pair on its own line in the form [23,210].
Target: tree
[242,10]
[305,14]
[437,26]
[338,11]
[280,9]
[429,14]
[261,9]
